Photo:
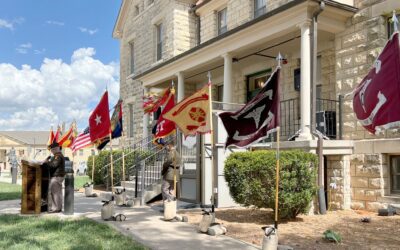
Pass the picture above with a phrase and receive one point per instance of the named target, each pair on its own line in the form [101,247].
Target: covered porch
[239,61]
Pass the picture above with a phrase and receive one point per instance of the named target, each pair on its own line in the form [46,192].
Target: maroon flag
[257,119]
[376,100]
[99,120]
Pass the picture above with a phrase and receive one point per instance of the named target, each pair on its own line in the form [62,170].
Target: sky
[57,57]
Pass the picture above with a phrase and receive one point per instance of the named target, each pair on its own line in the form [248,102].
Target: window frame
[132,57]
[259,10]
[390,29]
[391,170]
[159,41]
[222,29]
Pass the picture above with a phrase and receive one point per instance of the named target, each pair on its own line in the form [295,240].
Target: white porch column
[181,86]
[227,78]
[145,118]
[305,87]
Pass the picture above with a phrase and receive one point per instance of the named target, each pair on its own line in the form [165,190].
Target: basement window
[395,174]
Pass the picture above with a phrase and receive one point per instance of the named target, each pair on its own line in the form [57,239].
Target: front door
[189,187]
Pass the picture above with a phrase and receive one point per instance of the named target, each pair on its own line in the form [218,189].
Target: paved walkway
[144,225]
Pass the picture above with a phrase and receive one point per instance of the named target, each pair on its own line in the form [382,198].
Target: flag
[99,120]
[82,140]
[192,115]
[152,101]
[116,125]
[376,100]
[165,127]
[51,137]
[258,118]
[57,135]
[67,138]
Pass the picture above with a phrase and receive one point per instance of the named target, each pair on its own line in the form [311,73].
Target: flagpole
[277,177]
[112,164]
[123,159]
[172,92]
[278,130]
[212,145]
[93,165]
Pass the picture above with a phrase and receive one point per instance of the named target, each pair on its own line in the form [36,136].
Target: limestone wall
[356,49]
[369,180]
[338,173]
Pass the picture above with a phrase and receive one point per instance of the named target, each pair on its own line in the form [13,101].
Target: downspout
[192,10]
[314,40]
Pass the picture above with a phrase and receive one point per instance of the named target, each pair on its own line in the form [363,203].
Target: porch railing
[328,116]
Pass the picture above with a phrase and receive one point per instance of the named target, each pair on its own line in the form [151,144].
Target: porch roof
[278,22]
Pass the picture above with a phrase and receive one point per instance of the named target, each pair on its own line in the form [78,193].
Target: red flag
[376,100]
[165,127]
[99,120]
[258,118]
[152,101]
[55,139]
[51,137]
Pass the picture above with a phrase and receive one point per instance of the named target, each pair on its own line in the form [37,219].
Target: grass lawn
[79,181]
[29,232]
[9,191]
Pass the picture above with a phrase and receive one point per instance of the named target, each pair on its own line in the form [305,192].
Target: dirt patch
[305,232]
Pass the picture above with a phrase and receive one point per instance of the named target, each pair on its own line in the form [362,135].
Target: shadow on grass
[23,232]
[10,196]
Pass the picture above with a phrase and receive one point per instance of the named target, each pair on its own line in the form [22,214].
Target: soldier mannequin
[56,165]
[173,160]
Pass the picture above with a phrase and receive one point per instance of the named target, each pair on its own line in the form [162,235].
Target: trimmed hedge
[251,179]
[103,159]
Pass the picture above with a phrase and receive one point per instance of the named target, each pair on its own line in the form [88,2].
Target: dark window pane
[259,8]
[222,22]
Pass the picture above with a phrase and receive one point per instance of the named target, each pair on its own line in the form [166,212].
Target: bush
[251,179]
[101,173]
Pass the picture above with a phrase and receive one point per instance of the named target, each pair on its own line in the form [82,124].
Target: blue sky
[56,58]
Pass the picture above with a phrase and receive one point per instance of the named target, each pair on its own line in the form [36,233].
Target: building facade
[32,145]
[237,41]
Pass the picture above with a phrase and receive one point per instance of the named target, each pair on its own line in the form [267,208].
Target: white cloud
[23,48]
[39,51]
[33,99]
[89,31]
[6,24]
[10,24]
[55,23]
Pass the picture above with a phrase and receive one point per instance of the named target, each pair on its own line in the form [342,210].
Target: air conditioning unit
[326,123]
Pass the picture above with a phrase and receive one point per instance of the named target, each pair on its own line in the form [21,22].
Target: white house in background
[237,41]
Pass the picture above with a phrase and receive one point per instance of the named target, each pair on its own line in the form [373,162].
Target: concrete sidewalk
[144,225]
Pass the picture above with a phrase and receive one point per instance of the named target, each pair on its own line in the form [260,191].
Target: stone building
[33,145]
[237,41]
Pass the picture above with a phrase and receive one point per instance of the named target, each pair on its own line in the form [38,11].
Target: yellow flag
[192,115]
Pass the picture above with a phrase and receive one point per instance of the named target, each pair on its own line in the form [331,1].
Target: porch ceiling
[241,42]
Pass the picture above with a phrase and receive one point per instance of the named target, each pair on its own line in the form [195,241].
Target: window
[222,25]
[220,93]
[390,25]
[132,52]
[395,174]
[255,82]
[259,8]
[131,128]
[159,41]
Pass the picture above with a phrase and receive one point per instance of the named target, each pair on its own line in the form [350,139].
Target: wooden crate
[31,187]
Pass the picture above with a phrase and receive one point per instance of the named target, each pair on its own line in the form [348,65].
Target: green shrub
[102,171]
[251,179]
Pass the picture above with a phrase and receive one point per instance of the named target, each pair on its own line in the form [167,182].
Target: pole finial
[279,59]
[395,21]
[209,76]
[172,84]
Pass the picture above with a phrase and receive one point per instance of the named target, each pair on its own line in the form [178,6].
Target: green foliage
[10,191]
[79,181]
[102,171]
[251,179]
[25,232]
[332,236]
